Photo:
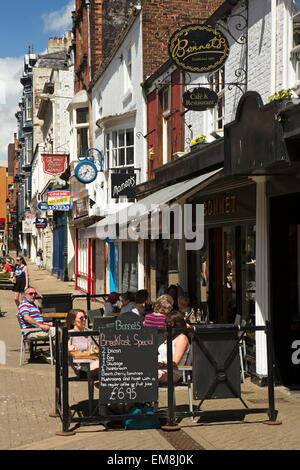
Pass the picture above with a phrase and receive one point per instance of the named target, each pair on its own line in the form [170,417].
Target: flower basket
[197,146]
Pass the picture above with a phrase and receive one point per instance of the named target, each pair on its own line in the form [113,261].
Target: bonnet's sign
[197,48]
[123,185]
[199,99]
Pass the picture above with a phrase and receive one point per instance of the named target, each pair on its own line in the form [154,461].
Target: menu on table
[128,361]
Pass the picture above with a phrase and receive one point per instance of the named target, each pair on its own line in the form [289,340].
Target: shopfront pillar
[262,274]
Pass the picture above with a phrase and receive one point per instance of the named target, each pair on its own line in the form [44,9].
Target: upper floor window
[217,84]
[28,108]
[127,69]
[165,125]
[82,130]
[119,148]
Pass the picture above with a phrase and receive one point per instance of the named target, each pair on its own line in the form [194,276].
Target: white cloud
[11,69]
[59,20]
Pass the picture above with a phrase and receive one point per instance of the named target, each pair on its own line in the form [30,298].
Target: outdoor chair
[94,313]
[33,343]
[242,345]
[185,381]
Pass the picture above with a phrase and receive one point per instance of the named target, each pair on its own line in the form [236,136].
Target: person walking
[39,258]
[22,280]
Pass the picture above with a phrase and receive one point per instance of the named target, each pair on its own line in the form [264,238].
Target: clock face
[86,172]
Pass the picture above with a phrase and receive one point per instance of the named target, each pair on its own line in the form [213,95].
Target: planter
[198,146]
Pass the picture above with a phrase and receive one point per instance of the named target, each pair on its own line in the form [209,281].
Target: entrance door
[285,287]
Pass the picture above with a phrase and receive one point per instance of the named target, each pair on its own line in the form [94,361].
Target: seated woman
[162,307]
[180,348]
[76,321]
[110,302]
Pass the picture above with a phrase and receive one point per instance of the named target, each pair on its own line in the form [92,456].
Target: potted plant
[198,142]
[281,94]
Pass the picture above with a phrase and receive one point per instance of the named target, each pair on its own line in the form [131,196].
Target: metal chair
[242,345]
[94,313]
[33,343]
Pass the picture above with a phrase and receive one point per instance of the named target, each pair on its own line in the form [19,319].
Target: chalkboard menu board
[128,361]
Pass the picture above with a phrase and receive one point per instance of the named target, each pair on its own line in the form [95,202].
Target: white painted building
[119,123]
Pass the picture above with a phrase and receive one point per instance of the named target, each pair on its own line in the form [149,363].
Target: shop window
[217,84]
[129,266]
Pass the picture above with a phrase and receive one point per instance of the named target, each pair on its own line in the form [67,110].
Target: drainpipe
[88,5]
[273,45]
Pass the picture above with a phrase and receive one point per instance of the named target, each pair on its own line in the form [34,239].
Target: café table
[55,315]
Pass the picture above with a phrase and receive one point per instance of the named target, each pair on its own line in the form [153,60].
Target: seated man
[30,317]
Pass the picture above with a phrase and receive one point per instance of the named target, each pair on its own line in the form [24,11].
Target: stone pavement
[27,398]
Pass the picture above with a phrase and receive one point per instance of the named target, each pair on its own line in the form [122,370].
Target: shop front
[221,275]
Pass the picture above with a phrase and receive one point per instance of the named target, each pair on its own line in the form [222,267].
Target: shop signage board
[27,225]
[43,206]
[59,200]
[198,48]
[128,361]
[41,222]
[199,99]
[123,184]
[2,223]
[54,164]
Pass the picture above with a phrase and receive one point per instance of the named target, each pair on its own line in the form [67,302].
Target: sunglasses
[82,318]
[18,259]
[31,293]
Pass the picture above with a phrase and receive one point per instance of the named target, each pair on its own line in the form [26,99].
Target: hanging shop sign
[2,223]
[199,99]
[43,206]
[123,184]
[54,163]
[41,223]
[59,200]
[198,48]
[28,224]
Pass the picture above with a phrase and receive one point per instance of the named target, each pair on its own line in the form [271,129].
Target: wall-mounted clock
[86,171]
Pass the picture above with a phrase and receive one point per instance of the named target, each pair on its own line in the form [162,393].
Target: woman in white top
[180,348]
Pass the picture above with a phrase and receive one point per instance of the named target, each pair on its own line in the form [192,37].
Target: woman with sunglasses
[76,321]
[22,280]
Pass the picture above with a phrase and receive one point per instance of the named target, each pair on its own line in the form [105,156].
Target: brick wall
[105,21]
[162,18]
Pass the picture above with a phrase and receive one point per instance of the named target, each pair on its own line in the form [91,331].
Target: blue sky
[23,24]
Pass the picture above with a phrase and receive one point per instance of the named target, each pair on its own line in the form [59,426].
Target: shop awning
[147,205]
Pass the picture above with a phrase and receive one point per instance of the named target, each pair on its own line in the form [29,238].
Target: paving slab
[27,398]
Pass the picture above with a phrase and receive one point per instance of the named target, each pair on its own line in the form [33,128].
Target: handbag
[142,423]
